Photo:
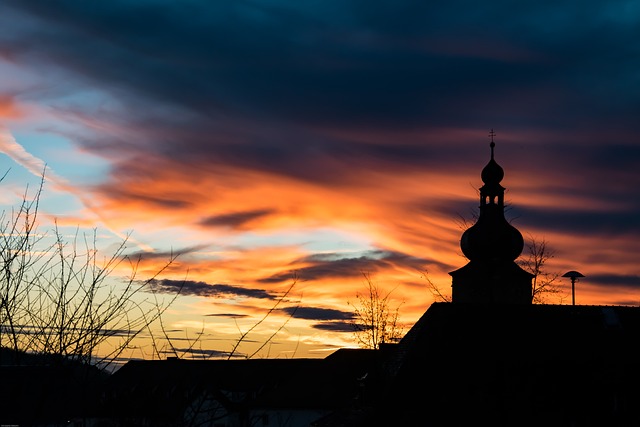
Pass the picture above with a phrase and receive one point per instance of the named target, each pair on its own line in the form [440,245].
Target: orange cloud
[9,108]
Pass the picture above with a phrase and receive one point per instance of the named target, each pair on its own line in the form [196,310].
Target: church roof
[527,364]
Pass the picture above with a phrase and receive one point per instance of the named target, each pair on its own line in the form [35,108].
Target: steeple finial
[493,144]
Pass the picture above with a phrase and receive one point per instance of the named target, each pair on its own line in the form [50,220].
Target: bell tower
[491,245]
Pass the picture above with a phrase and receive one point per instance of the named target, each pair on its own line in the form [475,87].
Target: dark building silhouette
[491,245]
[513,365]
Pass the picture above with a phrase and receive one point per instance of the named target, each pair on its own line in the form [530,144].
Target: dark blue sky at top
[402,63]
[562,76]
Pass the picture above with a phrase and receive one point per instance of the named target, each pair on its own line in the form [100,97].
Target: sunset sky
[262,140]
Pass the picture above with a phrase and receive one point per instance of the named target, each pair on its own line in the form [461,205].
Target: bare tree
[436,291]
[374,321]
[544,283]
[244,335]
[58,298]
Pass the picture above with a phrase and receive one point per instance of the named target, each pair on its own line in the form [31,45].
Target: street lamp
[573,275]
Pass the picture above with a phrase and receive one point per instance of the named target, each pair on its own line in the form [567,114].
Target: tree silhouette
[57,297]
[374,321]
[544,283]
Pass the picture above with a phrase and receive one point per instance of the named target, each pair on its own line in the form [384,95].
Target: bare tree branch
[279,301]
[544,285]
[436,292]
[374,321]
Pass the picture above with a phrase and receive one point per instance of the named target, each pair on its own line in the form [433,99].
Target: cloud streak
[189,287]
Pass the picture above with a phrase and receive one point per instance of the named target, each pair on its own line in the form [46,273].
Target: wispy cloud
[37,167]
[10,147]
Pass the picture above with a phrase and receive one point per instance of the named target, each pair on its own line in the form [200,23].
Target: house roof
[508,360]
[169,385]
[468,331]
[47,394]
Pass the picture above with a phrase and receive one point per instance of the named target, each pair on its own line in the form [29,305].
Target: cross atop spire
[492,134]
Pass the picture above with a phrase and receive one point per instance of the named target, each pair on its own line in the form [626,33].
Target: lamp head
[572,274]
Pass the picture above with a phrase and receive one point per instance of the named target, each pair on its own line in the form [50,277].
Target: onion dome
[492,173]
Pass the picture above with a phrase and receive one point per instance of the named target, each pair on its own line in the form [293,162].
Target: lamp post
[573,275]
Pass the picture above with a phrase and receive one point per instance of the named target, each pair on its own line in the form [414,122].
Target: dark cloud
[316,313]
[189,287]
[334,326]
[334,265]
[228,315]
[165,201]
[579,221]
[332,161]
[347,62]
[168,255]
[628,281]
[234,220]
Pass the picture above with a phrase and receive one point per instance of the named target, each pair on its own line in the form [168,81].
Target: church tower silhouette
[492,245]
